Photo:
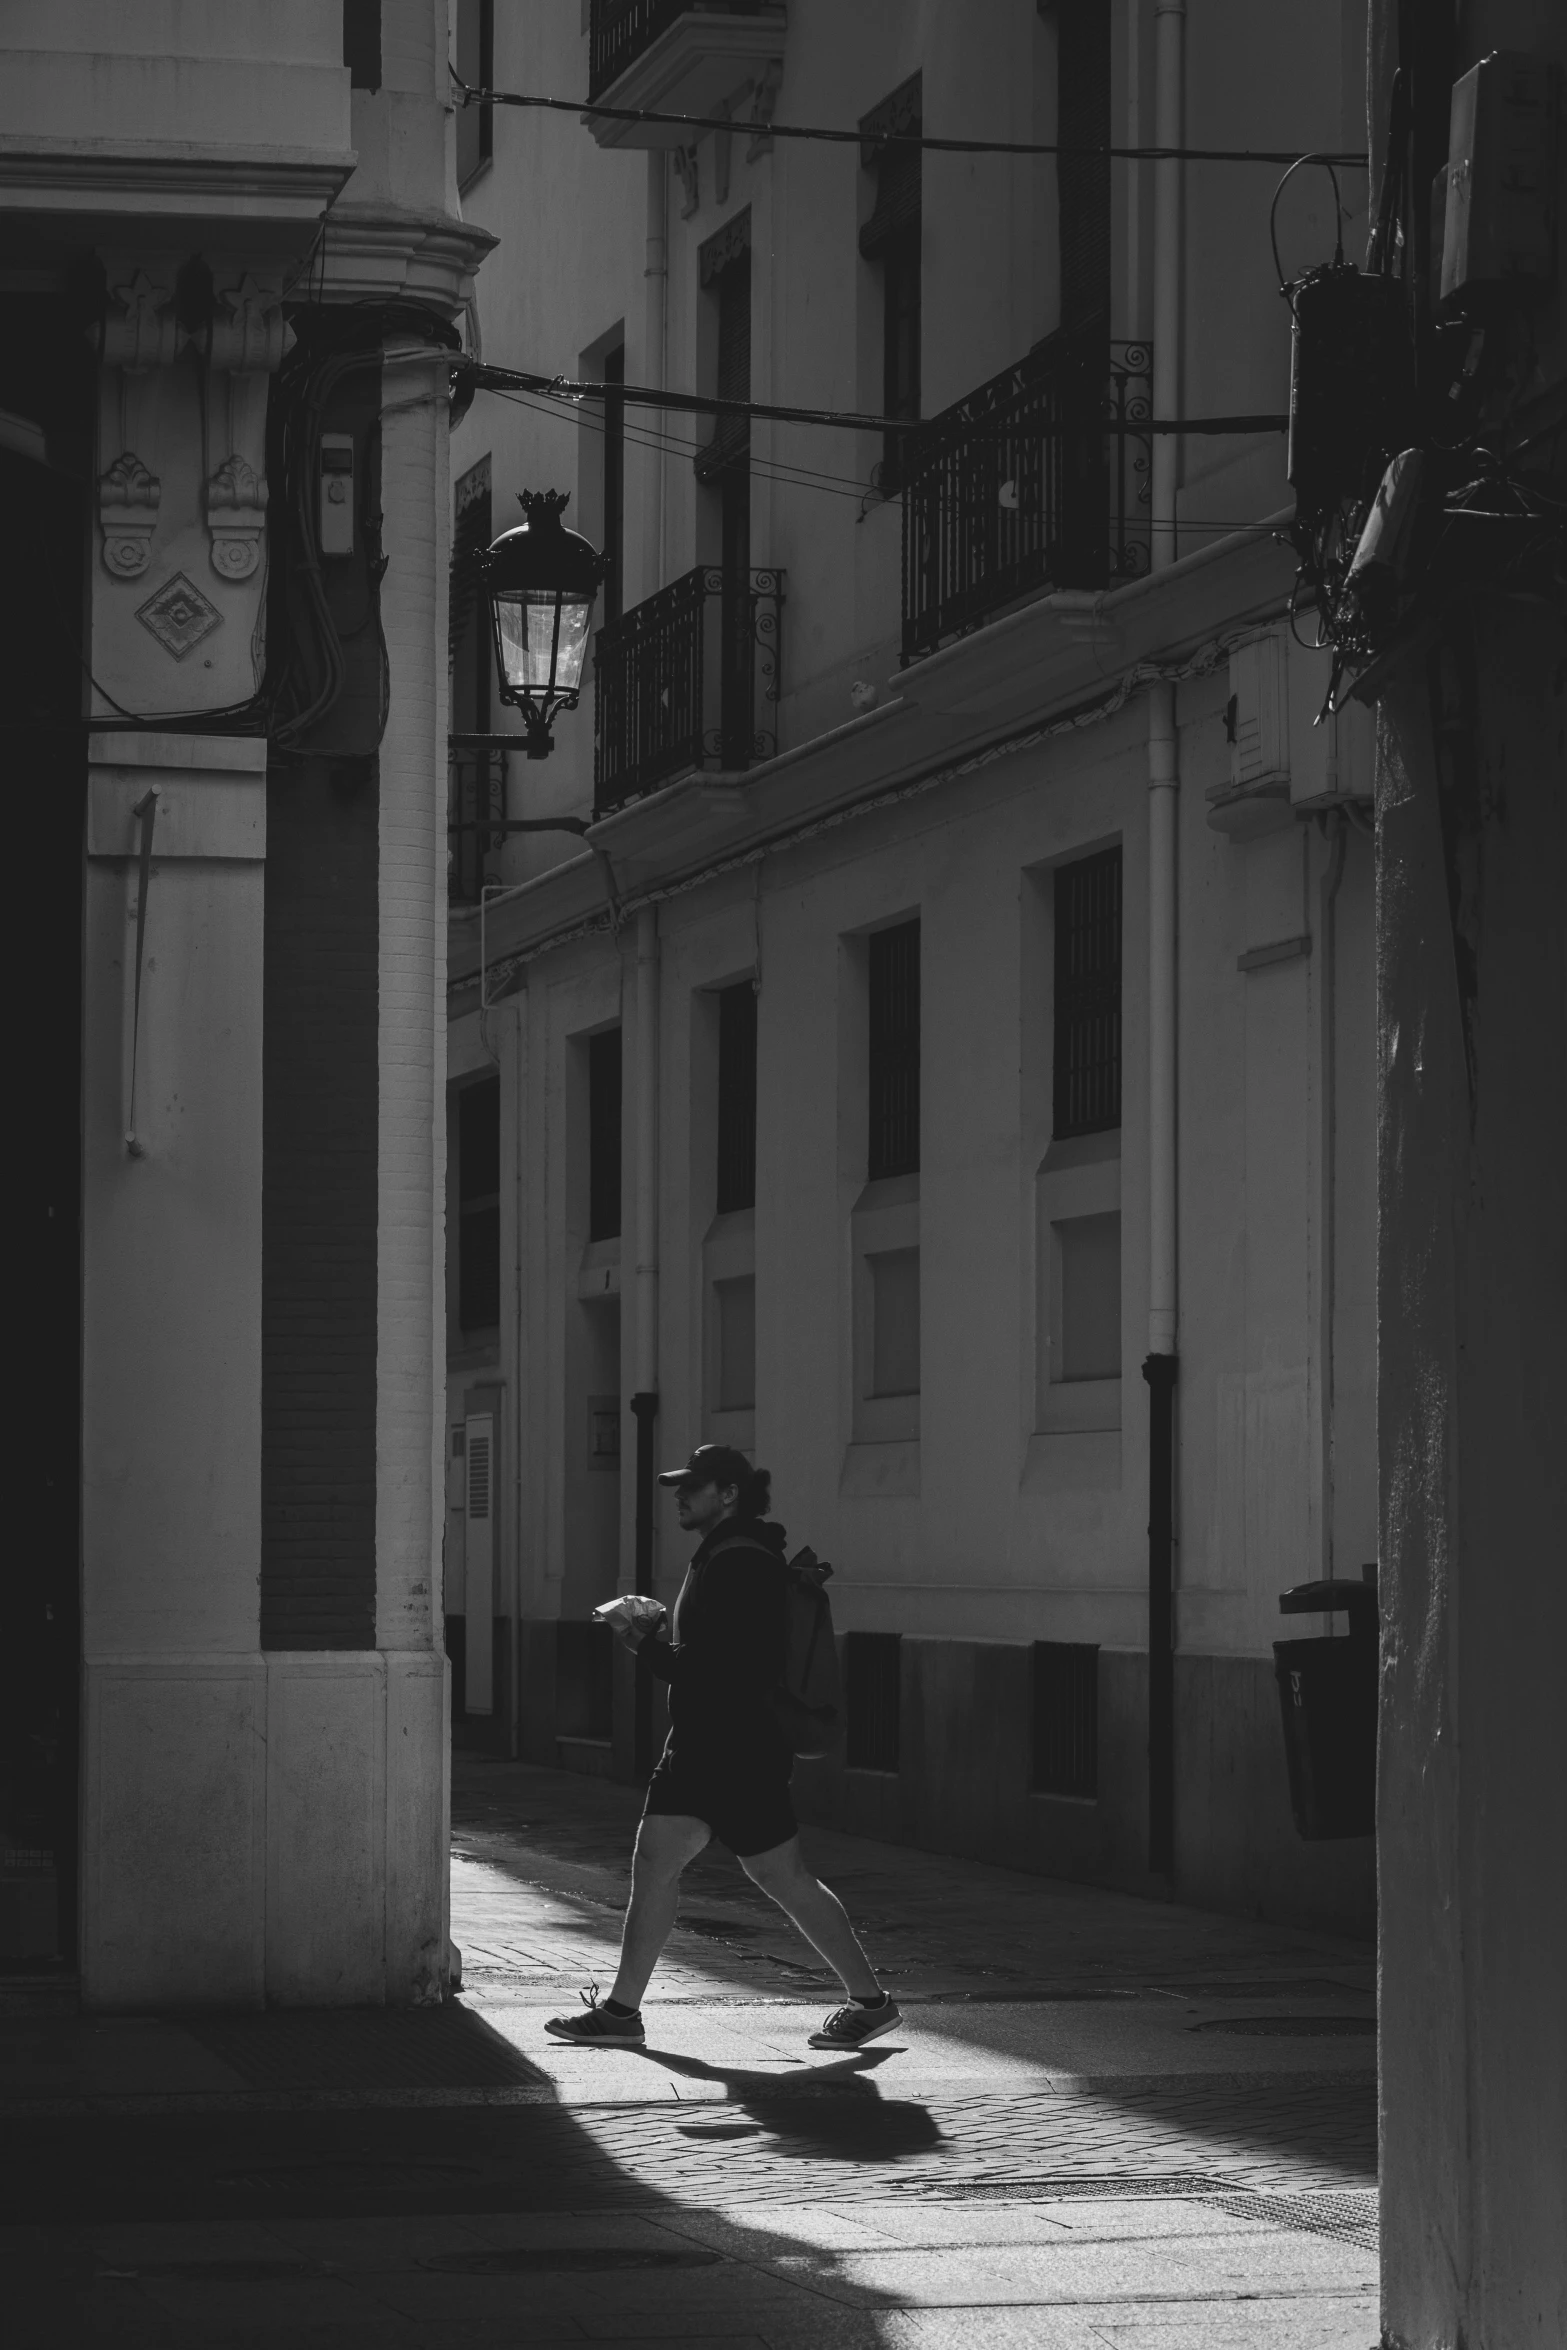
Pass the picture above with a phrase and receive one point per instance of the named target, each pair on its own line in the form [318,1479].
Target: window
[1083,168]
[736,1343]
[872,1662]
[736,1098]
[724,464]
[362,43]
[895,1321]
[894,973]
[469,648]
[891,241]
[614,532]
[604,1135]
[476,65]
[479,1205]
[1066,1719]
[1087,1077]
[1090,1276]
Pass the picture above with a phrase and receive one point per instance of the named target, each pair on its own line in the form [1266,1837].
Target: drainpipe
[1160,1368]
[644,1398]
[656,275]
[1327,981]
[520,1355]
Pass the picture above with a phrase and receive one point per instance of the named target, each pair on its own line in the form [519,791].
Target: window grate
[1066,1719]
[604,1135]
[479,1205]
[736,1097]
[872,1673]
[1087,1087]
[894,1052]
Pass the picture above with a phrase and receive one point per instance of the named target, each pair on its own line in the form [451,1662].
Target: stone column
[1472,1403]
[173,1802]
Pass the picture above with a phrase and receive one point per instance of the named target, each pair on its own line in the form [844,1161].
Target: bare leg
[664,1845]
[821,1917]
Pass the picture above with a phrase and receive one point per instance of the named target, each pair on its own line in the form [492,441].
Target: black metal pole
[1160,1373]
[644,1406]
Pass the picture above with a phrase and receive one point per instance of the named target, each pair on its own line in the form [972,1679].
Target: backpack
[808,1700]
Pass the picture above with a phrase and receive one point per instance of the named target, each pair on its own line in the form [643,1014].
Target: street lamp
[541,580]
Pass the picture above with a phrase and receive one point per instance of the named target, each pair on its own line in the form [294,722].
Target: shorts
[750,1811]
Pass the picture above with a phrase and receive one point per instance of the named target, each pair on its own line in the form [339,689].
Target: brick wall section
[410,1497]
[318,1208]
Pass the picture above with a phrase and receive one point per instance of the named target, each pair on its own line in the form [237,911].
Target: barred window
[1087,1091]
[872,1672]
[1066,1719]
[736,1097]
[894,1051]
[604,1135]
[479,1204]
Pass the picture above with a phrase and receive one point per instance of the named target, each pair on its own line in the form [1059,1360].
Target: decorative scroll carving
[140,338]
[236,518]
[140,329]
[245,343]
[128,499]
[252,335]
[684,160]
[764,97]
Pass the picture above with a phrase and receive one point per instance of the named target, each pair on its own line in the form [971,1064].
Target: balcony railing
[621,31]
[475,812]
[687,679]
[1037,480]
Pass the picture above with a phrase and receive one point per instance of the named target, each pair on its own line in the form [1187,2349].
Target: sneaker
[852,2026]
[598,2028]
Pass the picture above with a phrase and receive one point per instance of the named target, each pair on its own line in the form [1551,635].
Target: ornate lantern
[541,580]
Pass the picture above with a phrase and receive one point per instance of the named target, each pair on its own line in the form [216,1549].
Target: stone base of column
[266,1830]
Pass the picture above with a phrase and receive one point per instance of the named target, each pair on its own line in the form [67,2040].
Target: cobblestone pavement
[1105,2121]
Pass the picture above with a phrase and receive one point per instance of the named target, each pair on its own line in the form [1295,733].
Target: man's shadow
[832,2112]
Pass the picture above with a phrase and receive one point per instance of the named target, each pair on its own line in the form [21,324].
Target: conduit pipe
[1160,1367]
[644,1396]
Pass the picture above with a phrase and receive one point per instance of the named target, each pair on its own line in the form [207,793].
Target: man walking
[725,1767]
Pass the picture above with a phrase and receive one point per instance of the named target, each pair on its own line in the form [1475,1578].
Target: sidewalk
[1105,2122]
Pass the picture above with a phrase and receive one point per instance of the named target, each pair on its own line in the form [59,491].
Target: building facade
[230,258]
[963,994]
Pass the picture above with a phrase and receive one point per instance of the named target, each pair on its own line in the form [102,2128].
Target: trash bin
[1328,1693]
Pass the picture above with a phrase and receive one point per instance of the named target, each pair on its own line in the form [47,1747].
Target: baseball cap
[710,1464]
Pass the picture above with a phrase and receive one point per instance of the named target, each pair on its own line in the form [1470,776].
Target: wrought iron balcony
[712,57]
[687,679]
[1037,480]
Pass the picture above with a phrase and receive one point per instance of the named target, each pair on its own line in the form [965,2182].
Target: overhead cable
[486,378]
[883,140]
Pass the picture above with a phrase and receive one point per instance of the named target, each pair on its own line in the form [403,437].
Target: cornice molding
[150,178]
[371,252]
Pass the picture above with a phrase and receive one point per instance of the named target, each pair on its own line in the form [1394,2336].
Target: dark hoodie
[726,1654]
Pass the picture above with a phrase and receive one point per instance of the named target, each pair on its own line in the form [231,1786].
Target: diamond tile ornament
[179,615]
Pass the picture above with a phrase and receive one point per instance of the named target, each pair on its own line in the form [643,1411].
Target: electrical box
[1332,753]
[1256,799]
[337,493]
[1260,712]
[1499,228]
